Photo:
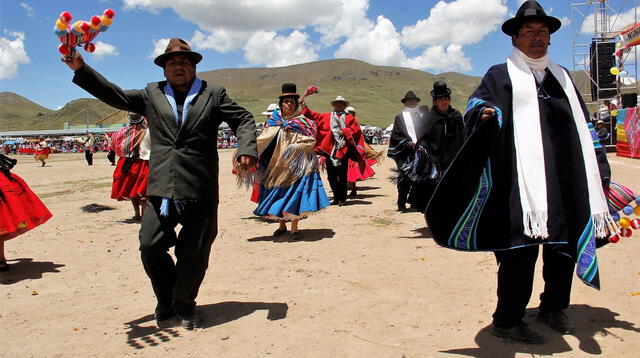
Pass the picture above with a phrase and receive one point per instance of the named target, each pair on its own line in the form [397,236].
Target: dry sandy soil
[364,281]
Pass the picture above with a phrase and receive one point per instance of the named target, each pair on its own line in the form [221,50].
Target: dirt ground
[364,281]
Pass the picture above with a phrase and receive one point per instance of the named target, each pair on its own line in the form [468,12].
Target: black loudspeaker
[629,100]
[602,60]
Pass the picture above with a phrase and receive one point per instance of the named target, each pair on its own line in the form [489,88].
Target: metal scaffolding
[596,26]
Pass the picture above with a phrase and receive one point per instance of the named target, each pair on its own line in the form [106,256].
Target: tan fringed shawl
[292,157]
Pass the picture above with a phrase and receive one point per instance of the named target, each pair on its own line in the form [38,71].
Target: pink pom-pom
[65,16]
[84,26]
[64,49]
[96,21]
[109,13]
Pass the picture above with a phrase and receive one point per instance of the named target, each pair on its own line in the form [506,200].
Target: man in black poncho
[530,173]
[408,127]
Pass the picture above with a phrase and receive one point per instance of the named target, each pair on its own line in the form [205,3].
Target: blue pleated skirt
[305,196]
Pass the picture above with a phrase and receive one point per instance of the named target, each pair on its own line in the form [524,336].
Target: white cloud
[12,53]
[266,30]
[158,47]
[28,8]
[565,21]
[440,58]
[273,50]
[461,22]
[104,49]
[616,22]
[379,44]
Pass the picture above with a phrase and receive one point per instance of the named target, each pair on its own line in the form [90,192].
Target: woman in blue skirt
[290,186]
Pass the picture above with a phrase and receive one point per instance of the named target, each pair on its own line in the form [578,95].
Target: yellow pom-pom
[614,112]
[624,223]
[22,225]
[61,25]
[106,21]
[614,71]
[636,210]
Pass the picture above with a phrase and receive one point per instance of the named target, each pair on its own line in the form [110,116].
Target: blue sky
[435,36]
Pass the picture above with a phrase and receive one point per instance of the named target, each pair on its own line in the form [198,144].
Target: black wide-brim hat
[177,46]
[440,89]
[410,95]
[530,10]
[289,90]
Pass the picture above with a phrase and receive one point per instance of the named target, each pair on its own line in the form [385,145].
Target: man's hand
[487,113]
[74,62]
[246,162]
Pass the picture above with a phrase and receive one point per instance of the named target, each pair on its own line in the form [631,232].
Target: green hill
[374,91]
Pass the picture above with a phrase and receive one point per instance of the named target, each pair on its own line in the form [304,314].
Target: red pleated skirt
[20,209]
[132,184]
[354,174]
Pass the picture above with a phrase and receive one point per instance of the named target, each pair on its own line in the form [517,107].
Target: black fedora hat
[410,95]
[530,10]
[440,89]
[177,46]
[289,90]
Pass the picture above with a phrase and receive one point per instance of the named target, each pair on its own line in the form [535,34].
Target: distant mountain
[374,91]
[19,113]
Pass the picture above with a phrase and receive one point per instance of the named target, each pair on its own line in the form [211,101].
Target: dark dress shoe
[402,208]
[520,333]
[190,321]
[4,266]
[164,318]
[557,320]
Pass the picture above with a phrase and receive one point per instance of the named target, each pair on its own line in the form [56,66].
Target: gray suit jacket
[184,161]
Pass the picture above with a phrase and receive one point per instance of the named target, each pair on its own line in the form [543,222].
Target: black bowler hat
[177,46]
[289,90]
[530,10]
[440,89]
[410,95]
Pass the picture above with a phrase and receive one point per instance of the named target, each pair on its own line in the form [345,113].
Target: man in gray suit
[183,114]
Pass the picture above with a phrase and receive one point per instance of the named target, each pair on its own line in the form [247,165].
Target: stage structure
[604,52]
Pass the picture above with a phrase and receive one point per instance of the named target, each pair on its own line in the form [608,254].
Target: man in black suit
[183,113]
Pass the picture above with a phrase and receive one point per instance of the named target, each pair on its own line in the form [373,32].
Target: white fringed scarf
[407,115]
[529,152]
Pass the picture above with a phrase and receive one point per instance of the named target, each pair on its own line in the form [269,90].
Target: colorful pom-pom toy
[621,200]
[80,33]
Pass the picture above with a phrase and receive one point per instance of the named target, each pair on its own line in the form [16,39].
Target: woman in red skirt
[132,144]
[20,208]
[353,172]
[42,152]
